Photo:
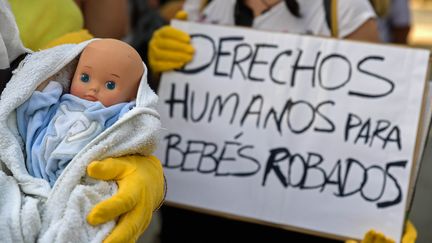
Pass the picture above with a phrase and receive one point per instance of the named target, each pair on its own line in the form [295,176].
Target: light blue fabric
[56,127]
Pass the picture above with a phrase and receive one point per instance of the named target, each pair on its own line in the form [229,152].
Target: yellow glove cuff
[152,169]
[181,15]
[410,234]
[70,38]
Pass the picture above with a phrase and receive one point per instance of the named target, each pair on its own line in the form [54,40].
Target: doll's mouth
[90,98]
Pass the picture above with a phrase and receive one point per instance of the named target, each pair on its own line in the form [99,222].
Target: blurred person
[84,19]
[145,19]
[395,24]
[355,20]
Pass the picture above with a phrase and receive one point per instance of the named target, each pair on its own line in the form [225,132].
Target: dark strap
[243,15]
[6,74]
[328,16]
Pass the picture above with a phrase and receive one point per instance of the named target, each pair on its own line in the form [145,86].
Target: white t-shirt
[351,15]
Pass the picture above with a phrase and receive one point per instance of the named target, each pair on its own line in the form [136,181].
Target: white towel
[29,209]
[10,44]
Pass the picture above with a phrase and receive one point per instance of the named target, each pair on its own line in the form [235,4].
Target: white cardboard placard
[313,133]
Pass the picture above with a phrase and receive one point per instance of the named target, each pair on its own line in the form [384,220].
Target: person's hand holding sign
[372,236]
[170,48]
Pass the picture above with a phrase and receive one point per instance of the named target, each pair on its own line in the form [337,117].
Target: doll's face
[108,71]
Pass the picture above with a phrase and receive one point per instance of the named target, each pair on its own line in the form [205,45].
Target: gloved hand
[373,236]
[140,183]
[409,236]
[170,48]
[410,233]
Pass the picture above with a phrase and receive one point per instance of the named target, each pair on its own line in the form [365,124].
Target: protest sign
[296,131]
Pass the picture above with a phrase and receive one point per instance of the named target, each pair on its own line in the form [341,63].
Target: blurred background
[421,29]
[421,36]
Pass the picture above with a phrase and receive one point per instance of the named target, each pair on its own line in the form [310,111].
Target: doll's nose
[94,88]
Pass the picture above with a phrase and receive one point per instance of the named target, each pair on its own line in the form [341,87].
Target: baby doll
[55,126]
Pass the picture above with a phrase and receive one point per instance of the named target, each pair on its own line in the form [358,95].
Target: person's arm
[141,190]
[399,34]
[400,21]
[105,18]
[368,31]
[357,21]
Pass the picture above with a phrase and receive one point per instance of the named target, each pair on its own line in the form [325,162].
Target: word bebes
[303,171]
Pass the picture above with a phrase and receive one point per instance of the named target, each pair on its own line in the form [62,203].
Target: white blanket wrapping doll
[30,209]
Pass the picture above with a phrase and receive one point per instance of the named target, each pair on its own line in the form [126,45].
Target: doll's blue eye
[85,77]
[110,85]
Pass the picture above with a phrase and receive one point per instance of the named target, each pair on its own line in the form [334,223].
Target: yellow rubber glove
[70,38]
[170,48]
[373,236]
[410,236]
[140,183]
